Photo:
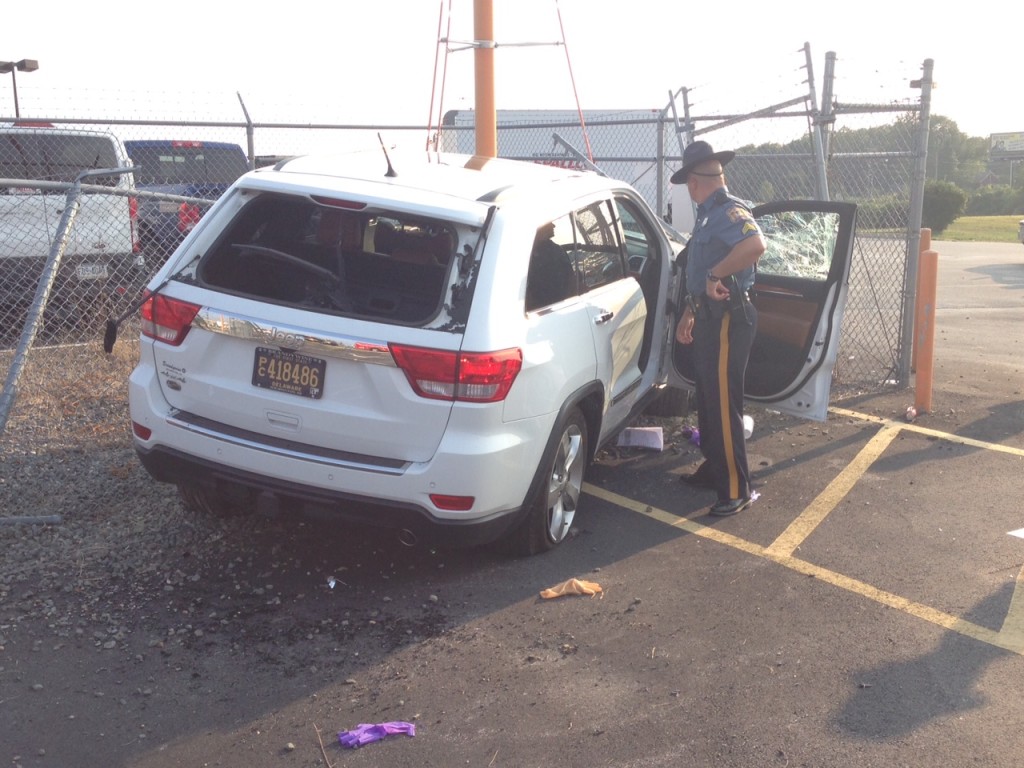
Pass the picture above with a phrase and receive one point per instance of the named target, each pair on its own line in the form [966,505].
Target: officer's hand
[684,328]
[716,290]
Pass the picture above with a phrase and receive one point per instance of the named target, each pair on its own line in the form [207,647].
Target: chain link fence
[862,153]
[76,250]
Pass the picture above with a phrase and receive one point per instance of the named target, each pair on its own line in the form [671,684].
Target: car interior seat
[551,276]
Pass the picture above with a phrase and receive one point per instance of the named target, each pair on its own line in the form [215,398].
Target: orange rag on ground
[572,587]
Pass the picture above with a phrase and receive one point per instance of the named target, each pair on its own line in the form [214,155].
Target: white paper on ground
[642,437]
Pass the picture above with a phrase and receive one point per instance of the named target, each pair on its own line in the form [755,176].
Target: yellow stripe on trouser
[723,408]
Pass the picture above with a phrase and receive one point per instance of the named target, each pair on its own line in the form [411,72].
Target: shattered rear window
[364,263]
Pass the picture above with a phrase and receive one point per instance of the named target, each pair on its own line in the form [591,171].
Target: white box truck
[624,144]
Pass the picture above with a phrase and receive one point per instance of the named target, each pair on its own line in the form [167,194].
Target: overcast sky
[373,62]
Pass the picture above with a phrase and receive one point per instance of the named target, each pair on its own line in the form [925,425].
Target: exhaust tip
[407,538]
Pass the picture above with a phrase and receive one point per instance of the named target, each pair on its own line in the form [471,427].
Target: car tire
[552,509]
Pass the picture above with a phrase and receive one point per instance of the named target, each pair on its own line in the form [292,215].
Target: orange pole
[925,245]
[483,69]
[924,323]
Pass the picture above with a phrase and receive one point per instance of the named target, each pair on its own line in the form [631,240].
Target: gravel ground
[113,595]
[133,604]
[126,619]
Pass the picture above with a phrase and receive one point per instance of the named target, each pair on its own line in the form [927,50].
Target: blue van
[199,169]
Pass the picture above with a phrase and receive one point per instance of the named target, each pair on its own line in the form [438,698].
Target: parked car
[392,344]
[261,161]
[101,243]
[196,169]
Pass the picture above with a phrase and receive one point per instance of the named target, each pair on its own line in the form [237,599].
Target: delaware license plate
[289,372]
[91,271]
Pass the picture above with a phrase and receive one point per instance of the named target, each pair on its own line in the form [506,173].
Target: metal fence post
[914,226]
[827,116]
[659,172]
[818,147]
[250,135]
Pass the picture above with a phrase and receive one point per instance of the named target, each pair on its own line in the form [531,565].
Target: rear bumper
[260,492]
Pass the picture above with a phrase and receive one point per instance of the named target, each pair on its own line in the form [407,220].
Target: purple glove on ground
[365,733]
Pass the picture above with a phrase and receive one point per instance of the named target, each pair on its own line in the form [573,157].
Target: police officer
[719,321]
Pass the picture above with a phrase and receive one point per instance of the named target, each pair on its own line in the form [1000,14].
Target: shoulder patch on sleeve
[737,213]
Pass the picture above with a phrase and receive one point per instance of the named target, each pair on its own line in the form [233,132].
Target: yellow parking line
[927,613]
[948,436]
[1010,637]
[835,492]
[1010,642]
[1013,624]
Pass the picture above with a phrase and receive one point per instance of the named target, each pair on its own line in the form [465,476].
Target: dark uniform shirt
[722,222]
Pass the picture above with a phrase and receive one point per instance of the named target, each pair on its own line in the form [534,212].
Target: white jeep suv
[437,344]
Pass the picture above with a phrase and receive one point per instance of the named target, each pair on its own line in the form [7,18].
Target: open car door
[800,293]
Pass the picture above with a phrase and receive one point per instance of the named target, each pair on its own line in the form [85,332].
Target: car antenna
[391,170]
[110,334]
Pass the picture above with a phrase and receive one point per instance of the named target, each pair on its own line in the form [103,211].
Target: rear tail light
[451,503]
[188,216]
[477,377]
[166,319]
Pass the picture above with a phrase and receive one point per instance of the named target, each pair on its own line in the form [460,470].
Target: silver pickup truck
[37,162]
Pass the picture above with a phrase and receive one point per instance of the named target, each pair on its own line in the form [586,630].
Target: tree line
[873,167]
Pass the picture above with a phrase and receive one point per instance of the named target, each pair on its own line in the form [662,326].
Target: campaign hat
[696,153]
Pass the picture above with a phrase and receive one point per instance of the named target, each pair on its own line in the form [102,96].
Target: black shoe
[728,507]
[701,478]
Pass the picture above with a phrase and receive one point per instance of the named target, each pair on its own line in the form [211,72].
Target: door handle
[603,316]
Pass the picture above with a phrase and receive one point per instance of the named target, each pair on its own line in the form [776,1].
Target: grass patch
[982,229]
[71,396]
